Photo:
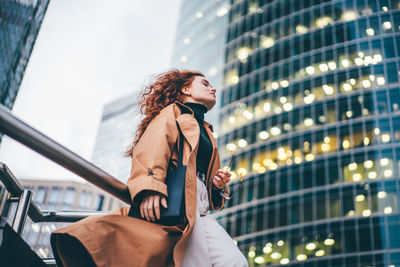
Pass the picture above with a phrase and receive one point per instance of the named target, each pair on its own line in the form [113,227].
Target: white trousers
[209,244]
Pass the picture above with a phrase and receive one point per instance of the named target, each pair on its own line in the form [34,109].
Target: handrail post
[22,211]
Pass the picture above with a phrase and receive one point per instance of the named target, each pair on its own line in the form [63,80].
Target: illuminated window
[380,80]
[345,63]
[349,15]
[370,31]
[323,22]
[328,90]
[232,77]
[323,67]
[284,83]
[267,41]
[310,70]
[301,29]
[275,131]
[243,53]
[242,143]
[347,87]
[253,7]
[387,25]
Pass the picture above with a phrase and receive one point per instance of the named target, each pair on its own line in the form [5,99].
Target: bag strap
[180,147]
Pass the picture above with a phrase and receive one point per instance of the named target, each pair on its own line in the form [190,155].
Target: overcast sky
[88,53]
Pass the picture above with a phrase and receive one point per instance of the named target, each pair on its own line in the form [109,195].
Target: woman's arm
[150,158]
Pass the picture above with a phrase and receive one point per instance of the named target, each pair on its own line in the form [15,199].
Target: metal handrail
[15,188]
[37,141]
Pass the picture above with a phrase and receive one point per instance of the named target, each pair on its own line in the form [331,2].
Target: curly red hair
[165,90]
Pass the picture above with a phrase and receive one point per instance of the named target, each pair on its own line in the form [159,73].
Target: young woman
[175,98]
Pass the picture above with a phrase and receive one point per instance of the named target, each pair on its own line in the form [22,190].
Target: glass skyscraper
[116,131]
[19,25]
[310,108]
[199,43]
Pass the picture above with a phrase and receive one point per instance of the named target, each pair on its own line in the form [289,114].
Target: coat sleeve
[217,201]
[151,156]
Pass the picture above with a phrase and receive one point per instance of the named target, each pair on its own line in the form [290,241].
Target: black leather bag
[174,214]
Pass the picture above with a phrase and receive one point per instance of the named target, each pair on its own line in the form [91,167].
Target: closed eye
[206,83]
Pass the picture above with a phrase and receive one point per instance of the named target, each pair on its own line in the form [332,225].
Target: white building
[116,131]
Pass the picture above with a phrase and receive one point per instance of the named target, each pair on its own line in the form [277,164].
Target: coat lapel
[188,124]
[190,129]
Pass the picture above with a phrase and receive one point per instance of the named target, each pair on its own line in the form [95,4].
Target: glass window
[394,241]
[349,237]
[283,212]
[295,210]
[271,215]
[99,202]
[40,196]
[69,198]
[392,73]
[239,218]
[260,218]
[321,206]
[82,200]
[382,102]
[250,222]
[308,208]
[54,197]
[389,46]
[334,203]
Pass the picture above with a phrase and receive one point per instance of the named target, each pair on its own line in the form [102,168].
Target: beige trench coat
[118,240]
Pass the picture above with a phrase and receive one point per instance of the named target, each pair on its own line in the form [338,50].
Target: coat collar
[185,109]
[189,125]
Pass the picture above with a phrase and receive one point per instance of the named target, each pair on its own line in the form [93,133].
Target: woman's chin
[211,104]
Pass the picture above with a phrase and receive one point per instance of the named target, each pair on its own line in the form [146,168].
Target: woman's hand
[221,179]
[150,206]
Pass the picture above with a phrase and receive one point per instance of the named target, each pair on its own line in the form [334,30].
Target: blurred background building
[61,195]
[199,43]
[116,132]
[310,106]
[19,25]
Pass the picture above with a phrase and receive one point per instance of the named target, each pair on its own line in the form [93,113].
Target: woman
[175,98]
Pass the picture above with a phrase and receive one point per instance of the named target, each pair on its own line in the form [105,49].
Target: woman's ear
[186,91]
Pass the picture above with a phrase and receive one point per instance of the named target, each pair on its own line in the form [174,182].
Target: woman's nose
[214,90]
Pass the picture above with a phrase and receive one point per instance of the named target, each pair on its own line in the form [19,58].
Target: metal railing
[35,140]
[29,207]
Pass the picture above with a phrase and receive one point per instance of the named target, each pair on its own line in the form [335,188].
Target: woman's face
[200,91]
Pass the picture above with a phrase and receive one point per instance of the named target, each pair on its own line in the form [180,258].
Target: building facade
[199,43]
[62,195]
[19,25]
[116,132]
[310,108]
